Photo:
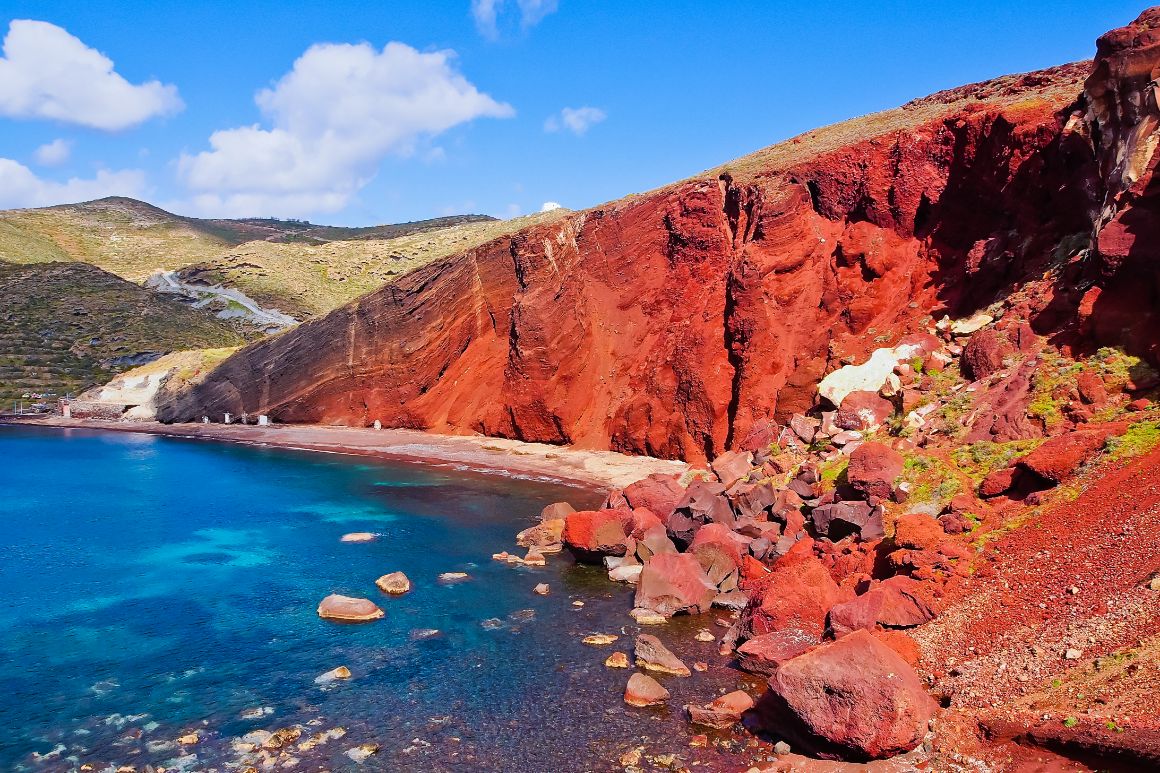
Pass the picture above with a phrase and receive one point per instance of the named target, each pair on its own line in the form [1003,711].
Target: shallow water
[154,586]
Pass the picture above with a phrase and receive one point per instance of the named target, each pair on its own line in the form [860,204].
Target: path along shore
[602,469]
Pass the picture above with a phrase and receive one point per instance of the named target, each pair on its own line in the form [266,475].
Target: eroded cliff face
[674,323]
[1119,304]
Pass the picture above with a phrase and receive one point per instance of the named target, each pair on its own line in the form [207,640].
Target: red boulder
[797,595]
[659,493]
[764,654]
[984,353]
[854,698]
[998,482]
[1060,457]
[592,534]
[918,531]
[864,411]
[671,583]
[873,468]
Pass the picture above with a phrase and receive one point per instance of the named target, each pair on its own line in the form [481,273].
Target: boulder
[753,500]
[898,602]
[797,595]
[764,654]
[732,466]
[359,536]
[653,542]
[918,531]
[804,427]
[658,493]
[395,583]
[984,354]
[1091,388]
[592,534]
[1058,458]
[643,690]
[544,534]
[641,521]
[718,550]
[873,468]
[556,511]
[672,583]
[705,502]
[864,411]
[346,609]
[854,698]
[723,712]
[841,519]
[651,655]
[998,482]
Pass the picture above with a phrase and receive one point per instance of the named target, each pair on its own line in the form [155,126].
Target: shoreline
[604,470]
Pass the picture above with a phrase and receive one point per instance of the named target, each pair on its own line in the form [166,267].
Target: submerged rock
[722,712]
[643,690]
[395,583]
[616,660]
[342,672]
[651,655]
[450,578]
[348,609]
[359,536]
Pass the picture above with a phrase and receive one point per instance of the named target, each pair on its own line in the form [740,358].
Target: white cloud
[487,13]
[53,153]
[332,119]
[549,206]
[577,120]
[47,73]
[20,187]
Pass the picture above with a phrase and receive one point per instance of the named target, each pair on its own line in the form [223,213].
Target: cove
[156,586]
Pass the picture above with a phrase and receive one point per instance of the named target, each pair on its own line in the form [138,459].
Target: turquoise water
[155,586]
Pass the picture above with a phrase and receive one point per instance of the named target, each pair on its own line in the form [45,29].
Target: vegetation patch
[1140,438]
[978,460]
[931,480]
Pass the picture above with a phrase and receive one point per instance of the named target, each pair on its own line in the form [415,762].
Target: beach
[601,469]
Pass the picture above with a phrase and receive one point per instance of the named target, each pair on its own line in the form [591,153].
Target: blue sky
[356,113]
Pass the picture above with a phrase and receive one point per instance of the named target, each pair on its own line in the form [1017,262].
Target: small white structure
[66,410]
[378,424]
[205,420]
[228,418]
[263,420]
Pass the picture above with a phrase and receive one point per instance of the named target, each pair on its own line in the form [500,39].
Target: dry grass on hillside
[310,280]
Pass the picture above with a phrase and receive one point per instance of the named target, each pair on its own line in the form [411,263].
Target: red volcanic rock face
[677,323]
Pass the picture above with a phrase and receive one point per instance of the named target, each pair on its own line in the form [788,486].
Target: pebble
[542,589]
[577,603]
[616,660]
[1073,654]
[189,739]
[705,635]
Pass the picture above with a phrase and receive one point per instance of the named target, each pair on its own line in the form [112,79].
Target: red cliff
[670,323]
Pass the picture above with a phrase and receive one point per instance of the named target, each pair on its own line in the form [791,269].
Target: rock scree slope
[673,323]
